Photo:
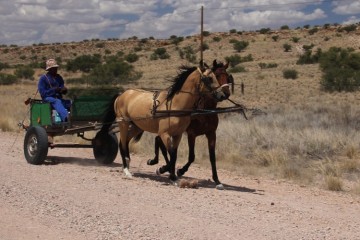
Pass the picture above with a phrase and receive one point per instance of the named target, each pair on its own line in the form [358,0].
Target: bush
[237,69]
[308,58]
[265,30]
[287,47]
[24,72]
[4,65]
[83,63]
[240,45]
[290,74]
[341,70]
[112,73]
[216,39]
[205,46]
[100,45]
[188,53]
[275,38]
[313,31]
[177,40]
[295,39]
[132,57]
[7,79]
[284,27]
[267,65]
[159,53]
[236,59]
[349,28]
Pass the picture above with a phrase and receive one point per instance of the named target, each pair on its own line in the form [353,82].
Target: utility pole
[201,36]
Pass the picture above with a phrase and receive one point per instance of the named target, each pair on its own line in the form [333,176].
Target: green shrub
[287,47]
[237,69]
[267,65]
[309,58]
[177,40]
[341,70]
[232,31]
[7,79]
[290,74]
[236,59]
[24,72]
[275,38]
[205,46]
[159,53]
[131,57]
[284,27]
[265,30]
[240,45]
[295,39]
[100,45]
[216,39]
[4,65]
[83,63]
[313,31]
[206,33]
[188,53]
[349,28]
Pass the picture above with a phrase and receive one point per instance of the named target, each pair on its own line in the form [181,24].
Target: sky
[27,22]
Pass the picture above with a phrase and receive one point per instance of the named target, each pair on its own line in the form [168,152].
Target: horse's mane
[178,81]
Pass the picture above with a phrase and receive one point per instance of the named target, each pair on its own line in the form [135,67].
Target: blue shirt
[48,84]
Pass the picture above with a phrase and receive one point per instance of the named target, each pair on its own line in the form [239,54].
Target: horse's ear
[226,65]
[214,63]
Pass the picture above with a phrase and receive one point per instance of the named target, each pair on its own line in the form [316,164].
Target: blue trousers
[60,105]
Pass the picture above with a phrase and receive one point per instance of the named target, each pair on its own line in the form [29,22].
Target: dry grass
[303,129]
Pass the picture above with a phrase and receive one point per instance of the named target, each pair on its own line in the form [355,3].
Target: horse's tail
[109,116]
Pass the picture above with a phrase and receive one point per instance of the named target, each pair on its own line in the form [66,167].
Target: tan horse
[200,125]
[136,111]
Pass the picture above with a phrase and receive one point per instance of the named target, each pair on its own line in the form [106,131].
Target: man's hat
[51,63]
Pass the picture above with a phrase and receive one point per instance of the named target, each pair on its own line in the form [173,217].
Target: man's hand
[64,90]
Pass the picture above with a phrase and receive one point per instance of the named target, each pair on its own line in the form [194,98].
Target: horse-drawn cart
[85,115]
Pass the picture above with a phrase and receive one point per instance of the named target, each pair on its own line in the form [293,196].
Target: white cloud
[352,20]
[34,21]
[347,7]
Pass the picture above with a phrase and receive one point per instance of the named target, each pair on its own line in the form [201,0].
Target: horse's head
[224,79]
[211,83]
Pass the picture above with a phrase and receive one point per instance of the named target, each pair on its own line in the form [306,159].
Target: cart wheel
[105,147]
[36,145]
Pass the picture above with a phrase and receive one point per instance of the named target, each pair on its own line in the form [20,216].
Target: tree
[341,70]
[240,45]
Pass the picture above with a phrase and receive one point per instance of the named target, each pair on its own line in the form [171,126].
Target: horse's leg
[191,143]
[172,143]
[158,145]
[211,136]
[124,148]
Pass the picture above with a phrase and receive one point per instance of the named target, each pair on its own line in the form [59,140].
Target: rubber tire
[105,147]
[36,145]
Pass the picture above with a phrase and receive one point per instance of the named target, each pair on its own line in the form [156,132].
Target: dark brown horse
[200,125]
[136,110]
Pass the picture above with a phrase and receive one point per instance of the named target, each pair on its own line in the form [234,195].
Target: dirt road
[71,197]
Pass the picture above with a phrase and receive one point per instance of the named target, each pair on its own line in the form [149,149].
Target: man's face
[53,70]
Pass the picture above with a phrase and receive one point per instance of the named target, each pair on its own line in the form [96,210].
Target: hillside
[262,86]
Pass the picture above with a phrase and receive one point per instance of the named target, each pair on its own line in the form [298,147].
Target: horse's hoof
[151,162]
[174,183]
[158,172]
[220,187]
[127,173]
[178,173]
